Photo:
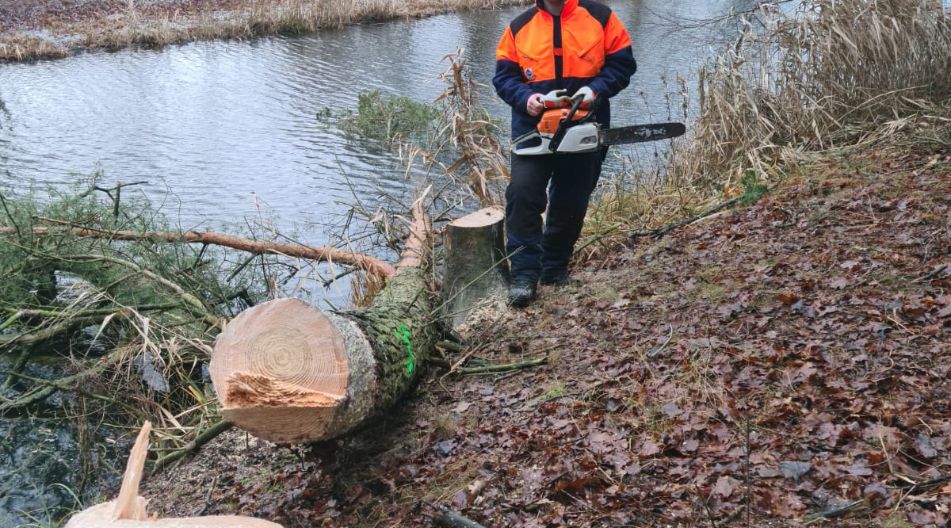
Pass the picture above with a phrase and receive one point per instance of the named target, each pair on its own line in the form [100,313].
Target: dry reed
[839,73]
[160,23]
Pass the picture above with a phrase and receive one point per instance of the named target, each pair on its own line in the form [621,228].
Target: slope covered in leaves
[778,361]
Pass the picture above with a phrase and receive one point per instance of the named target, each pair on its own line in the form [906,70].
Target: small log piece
[129,510]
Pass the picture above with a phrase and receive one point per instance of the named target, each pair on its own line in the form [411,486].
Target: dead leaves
[802,364]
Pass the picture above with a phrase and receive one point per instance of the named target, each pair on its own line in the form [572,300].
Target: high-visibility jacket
[587,45]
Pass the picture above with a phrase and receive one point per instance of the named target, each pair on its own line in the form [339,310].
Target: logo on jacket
[529,74]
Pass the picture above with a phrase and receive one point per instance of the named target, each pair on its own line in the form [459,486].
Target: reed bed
[158,23]
[837,74]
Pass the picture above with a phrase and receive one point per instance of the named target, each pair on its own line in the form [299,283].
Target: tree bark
[476,268]
[256,247]
[289,373]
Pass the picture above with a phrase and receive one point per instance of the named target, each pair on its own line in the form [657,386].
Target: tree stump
[289,373]
[476,268]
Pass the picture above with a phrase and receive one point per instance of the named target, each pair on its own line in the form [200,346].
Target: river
[226,133]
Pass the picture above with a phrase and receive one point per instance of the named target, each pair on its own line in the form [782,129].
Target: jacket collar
[570,6]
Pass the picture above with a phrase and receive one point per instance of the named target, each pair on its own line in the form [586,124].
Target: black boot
[521,293]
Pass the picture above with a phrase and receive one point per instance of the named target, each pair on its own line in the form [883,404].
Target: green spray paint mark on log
[404,335]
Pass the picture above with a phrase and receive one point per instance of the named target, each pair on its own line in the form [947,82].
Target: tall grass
[838,73]
[163,22]
[841,72]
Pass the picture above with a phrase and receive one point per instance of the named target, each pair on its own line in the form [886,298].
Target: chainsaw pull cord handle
[565,123]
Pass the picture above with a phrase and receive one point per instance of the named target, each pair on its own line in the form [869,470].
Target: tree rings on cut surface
[281,371]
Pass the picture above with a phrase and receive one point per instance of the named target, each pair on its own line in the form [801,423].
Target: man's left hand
[588,93]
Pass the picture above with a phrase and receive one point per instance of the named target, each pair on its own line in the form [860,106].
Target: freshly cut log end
[100,516]
[129,510]
[476,268]
[288,373]
[285,372]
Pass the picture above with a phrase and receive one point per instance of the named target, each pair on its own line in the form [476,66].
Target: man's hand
[535,105]
[556,99]
[588,93]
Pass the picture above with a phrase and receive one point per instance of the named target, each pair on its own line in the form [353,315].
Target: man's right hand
[535,105]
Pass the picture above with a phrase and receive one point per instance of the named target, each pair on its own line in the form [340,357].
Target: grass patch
[753,189]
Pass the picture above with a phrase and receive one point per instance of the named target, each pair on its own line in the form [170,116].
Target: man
[575,45]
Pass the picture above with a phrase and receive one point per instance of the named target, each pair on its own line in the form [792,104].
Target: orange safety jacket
[587,45]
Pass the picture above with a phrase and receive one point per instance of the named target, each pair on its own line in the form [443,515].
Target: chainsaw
[567,126]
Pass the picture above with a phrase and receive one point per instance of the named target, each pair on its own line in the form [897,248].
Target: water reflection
[227,127]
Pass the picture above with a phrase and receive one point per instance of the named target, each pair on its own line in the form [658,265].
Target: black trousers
[564,183]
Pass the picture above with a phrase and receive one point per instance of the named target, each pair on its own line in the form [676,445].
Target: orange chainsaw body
[553,117]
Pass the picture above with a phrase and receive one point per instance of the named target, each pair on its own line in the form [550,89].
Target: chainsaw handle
[576,102]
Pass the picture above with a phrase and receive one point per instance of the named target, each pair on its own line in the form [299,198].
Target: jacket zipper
[558,50]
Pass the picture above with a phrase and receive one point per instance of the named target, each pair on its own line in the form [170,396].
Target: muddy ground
[779,364]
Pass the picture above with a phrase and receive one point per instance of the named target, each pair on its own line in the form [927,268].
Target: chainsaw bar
[641,133]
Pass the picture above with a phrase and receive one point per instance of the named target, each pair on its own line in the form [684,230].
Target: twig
[203,438]
[835,512]
[30,338]
[658,350]
[597,238]
[932,274]
[928,485]
[67,384]
[17,367]
[192,303]
[502,368]
[35,312]
[462,361]
[108,191]
[450,346]
[10,216]
[921,487]
[706,508]
[451,519]
[661,232]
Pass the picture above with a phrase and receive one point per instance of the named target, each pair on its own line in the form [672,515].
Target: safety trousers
[562,182]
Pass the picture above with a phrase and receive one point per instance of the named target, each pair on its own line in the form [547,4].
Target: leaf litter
[785,359]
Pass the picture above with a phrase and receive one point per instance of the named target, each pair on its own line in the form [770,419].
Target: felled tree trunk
[129,510]
[476,268]
[289,373]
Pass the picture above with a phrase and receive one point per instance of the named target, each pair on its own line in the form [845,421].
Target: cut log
[288,373]
[129,510]
[476,268]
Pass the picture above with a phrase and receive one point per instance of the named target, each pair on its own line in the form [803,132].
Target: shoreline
[52,29]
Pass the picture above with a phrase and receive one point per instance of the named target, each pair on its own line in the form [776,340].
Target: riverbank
[784,359]
[37,29]
[781,362]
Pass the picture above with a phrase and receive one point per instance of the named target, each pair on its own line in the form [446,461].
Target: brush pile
[125,308]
